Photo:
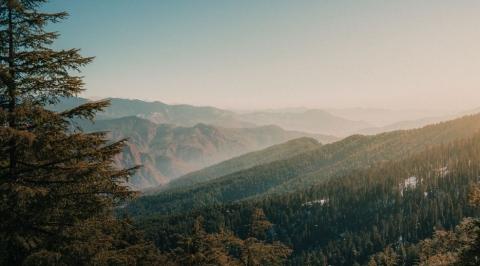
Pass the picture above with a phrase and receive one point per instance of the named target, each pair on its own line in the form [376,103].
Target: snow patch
[409,183]
[314,202]
[443,171]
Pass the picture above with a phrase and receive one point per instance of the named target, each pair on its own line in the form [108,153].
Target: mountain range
[341,203]
[167,151]
[336,122]
[380,117]
[385,210]
[274,153]
[173,140]
[332,200]
[309,168]
[160,113]
[312,121]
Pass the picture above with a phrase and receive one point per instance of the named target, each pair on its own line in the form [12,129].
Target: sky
[257,54]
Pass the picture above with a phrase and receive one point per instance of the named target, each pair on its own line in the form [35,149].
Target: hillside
[317,121]
[385,117]
[181,114]
[346,220]
[402,125]
[309,168]
[168,151]
[161,113]
[270,154]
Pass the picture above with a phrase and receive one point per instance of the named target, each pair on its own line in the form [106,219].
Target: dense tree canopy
[58,186]
[384,210]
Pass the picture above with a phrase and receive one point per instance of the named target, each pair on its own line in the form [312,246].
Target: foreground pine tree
[226,249]
[457,247]
[58,186]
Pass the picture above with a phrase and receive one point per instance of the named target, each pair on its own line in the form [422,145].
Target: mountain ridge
[167,151]
[312,167]
[245,161]
[346,220]
[313,121]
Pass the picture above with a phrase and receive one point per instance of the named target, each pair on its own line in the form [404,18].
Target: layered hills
[173,140]
[382,211]
[308,168]
[167,151]
[313,121]
[274,153]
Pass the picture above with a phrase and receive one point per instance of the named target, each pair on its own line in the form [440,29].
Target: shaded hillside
[309,168]
[313,121]
[270,154]
[181,115]
[385,117]
[161,113]
[403,125]
[317,121]
[347,219]
[416,123]
[168,151]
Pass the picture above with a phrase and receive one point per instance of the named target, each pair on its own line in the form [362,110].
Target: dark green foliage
[457,247]
[98,242]
[346,220]
[224,248]
[58,187]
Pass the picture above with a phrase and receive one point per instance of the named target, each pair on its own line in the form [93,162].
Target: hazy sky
[280,53]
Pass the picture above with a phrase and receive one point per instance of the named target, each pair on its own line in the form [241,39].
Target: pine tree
[58,185]
[469,233]
[258,251]
[457,247]
[387,258]
[259,224]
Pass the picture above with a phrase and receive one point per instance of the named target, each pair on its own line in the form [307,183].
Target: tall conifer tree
[58,185]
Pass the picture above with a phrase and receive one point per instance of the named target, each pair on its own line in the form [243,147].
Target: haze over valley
[173,140]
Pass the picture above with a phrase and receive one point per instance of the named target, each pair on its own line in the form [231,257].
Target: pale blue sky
[280,53]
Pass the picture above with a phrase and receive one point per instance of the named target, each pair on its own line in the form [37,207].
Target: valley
[170,141]
[394,180]
[167,151]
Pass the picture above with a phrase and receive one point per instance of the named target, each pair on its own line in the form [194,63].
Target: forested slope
[270,154]
[167,151]
[345,220]
[309,168]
